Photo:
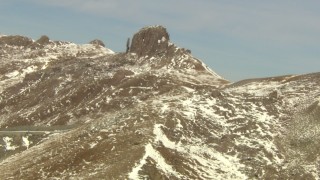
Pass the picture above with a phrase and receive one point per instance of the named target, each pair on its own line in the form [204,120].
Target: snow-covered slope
[19,59]
[156,112]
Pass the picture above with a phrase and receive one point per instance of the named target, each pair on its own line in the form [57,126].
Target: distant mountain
[71,111]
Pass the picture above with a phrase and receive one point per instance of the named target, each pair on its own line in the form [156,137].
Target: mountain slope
[82,111]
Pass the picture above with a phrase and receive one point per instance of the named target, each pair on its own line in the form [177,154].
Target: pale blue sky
[237,39]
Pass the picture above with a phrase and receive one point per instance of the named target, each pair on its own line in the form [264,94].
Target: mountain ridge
[156,112]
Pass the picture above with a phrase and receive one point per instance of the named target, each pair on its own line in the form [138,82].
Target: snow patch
[8,144]
[25,141]
[161,137]
[211,162]
[188,89]
[93,144]
[161,164]
[164,108]
[29,69]
[12,74]
[257,88]
[211,71]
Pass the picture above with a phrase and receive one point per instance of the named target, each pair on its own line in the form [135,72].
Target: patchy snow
[164,108]
[25,141]
[161,137]
[190,90]
[12,74]
[211,71]
[257,88]
[197,109]
[8,144]
[30,69]
[93,144]
[161,164]
[29,60]
[140,87]
[212,163]
[211,133]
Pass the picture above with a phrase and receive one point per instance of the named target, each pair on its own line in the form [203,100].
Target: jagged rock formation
[72,111]
[150,41]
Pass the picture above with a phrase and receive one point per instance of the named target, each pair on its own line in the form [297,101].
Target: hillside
[71,111]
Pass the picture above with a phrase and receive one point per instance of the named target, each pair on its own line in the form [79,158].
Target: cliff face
[150,41]
[82,111]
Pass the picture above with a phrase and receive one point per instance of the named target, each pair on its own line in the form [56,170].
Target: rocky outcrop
[153,47]
[15,41]
[150,41]
[43,40]
[97,42]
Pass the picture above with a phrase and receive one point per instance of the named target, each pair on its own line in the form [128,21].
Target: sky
[237,39]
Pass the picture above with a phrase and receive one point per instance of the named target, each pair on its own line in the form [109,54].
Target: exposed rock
[97,42]
[15,41]
[128,45]
[150,40]
[43,40]
[216,94]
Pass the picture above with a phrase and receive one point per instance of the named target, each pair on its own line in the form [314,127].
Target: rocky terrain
[71,111]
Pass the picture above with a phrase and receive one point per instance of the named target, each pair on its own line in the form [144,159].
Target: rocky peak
[150,41]
[97,42]
[43,40]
